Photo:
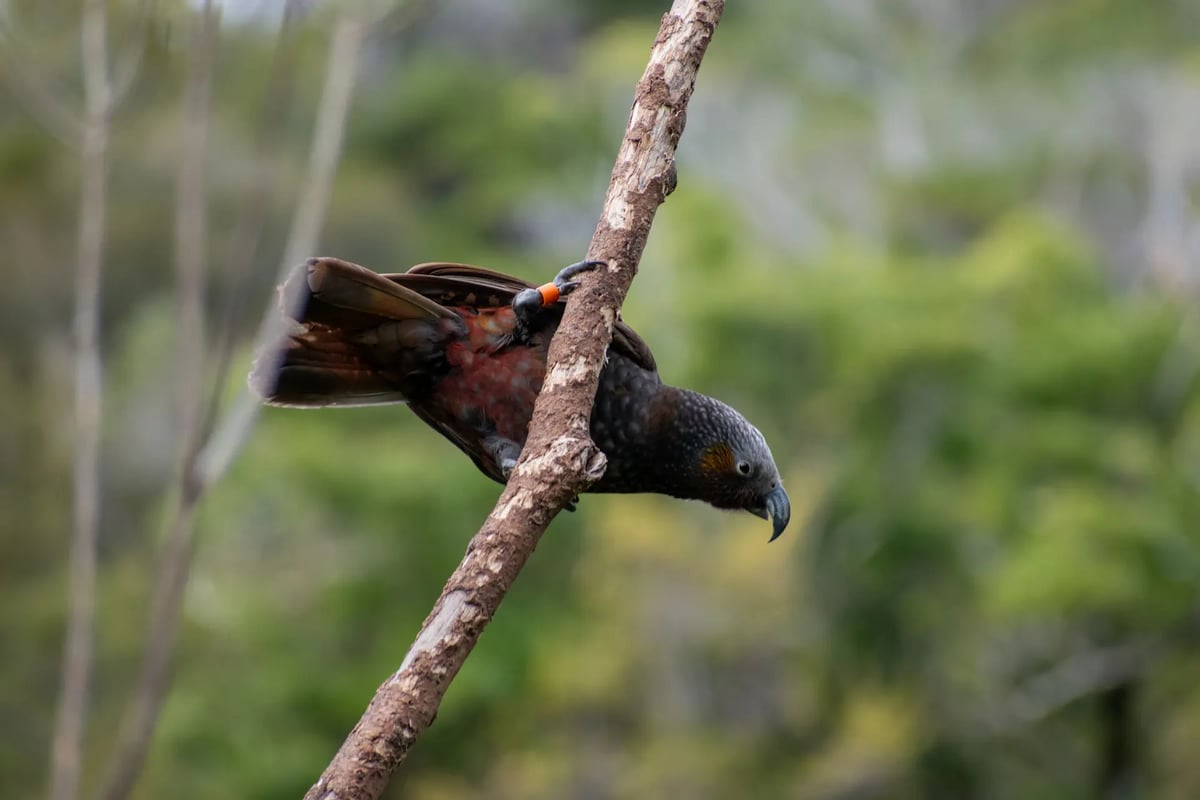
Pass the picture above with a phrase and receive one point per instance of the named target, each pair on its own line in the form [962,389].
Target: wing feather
[463,284]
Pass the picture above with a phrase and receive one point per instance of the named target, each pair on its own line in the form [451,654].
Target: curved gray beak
[780,509]
[777,508]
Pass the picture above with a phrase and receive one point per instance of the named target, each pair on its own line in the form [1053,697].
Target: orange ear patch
[717,459]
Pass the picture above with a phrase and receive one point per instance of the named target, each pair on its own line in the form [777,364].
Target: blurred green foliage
[938,251]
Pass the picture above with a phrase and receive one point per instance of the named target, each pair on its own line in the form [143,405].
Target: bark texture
[559,459]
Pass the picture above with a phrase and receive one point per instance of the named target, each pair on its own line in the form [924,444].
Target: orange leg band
[549,293]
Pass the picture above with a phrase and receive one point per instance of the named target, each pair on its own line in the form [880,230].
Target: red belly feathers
[489,380]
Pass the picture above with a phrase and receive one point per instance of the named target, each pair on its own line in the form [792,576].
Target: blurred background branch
[199,472]
[40,100]
[231,434]
[190,378]
[71,721]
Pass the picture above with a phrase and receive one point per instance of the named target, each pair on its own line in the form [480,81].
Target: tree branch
[196,474]
[245,241]
[559,458]
[1080,675]
[191,229]
[341,73]
[67,747]
[39,97]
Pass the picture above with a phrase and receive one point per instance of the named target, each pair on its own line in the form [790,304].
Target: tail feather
[360,339]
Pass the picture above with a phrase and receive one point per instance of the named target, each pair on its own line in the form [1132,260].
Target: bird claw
[528,302]
[563,279]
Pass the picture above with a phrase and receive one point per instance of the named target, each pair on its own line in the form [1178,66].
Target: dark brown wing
[626,340]
[453,284]
[453,278]
[356,342]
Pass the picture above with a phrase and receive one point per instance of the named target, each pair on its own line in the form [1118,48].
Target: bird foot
[504,453]
[528,302]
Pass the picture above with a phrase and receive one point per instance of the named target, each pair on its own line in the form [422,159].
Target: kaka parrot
[465,348]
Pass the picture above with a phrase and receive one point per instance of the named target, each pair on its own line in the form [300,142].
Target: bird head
[728,463]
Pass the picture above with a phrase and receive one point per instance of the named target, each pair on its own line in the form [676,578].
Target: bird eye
[743,467]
